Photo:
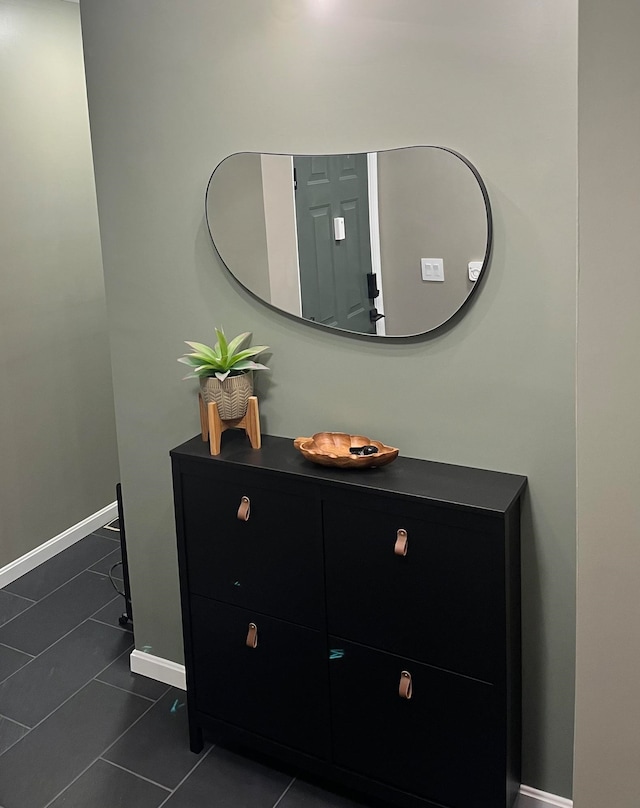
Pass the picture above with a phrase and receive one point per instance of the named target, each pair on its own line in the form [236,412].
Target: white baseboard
[171,673]
[545,798]
[45,551]
[162,670]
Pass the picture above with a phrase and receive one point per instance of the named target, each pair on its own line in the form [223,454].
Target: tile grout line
[44,650]
[108,603]
[73,577]
[115,542]
[124,689]
[102,574]
[24,611]
[17,740]
[106,574]
[6,678]
[82,687]
[14,595]
[111,580]
[95,533]
[86,768]
[102,622]
[19,650]
[110,531]
[102,558]
[186,777]
[13,721]
[284,793]
[104,751]
[135,774]
[42,600]
[11,745]
[36,602]
[75,693]
[47,716]
[127,651]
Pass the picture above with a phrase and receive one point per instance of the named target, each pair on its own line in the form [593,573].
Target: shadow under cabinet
[361,625]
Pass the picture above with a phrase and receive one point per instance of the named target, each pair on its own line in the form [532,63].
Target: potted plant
[225,372]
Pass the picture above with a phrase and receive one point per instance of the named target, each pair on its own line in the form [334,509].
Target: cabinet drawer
[279,689]
[446,743]
[272,562]
[442,603]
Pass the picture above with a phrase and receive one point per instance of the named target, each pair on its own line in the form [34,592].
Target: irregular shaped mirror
[390,243]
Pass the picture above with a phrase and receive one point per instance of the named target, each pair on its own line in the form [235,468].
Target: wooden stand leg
[213,426]
[252,423]
[204,418]
[216,428]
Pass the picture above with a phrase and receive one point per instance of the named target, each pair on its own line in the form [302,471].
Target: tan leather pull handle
[244,510]
[405,689]
[252,636]
[402,542]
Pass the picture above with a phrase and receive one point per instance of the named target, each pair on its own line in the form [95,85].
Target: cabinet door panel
[442,603]
[445,743]
[272,562]
[277,689]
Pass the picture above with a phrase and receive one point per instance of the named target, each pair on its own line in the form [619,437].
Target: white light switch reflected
[432,269]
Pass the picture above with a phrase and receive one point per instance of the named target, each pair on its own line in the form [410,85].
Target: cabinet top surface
[442,483]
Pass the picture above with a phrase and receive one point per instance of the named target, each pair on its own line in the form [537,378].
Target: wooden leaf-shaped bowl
[332,449]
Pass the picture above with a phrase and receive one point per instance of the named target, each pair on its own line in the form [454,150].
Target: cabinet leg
[196,741]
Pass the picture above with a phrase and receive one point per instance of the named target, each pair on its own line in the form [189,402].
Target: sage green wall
[57,429]
[174,88]
[608,652]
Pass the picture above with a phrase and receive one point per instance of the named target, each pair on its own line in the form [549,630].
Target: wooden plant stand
[213,426]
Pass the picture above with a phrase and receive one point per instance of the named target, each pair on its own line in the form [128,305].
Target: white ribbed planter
[231,395]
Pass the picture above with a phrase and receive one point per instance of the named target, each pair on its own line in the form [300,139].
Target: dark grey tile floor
[79,730]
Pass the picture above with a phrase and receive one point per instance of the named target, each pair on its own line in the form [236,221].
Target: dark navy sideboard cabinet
[361,625]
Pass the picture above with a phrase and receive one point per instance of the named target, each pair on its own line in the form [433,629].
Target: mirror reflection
[390,243]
